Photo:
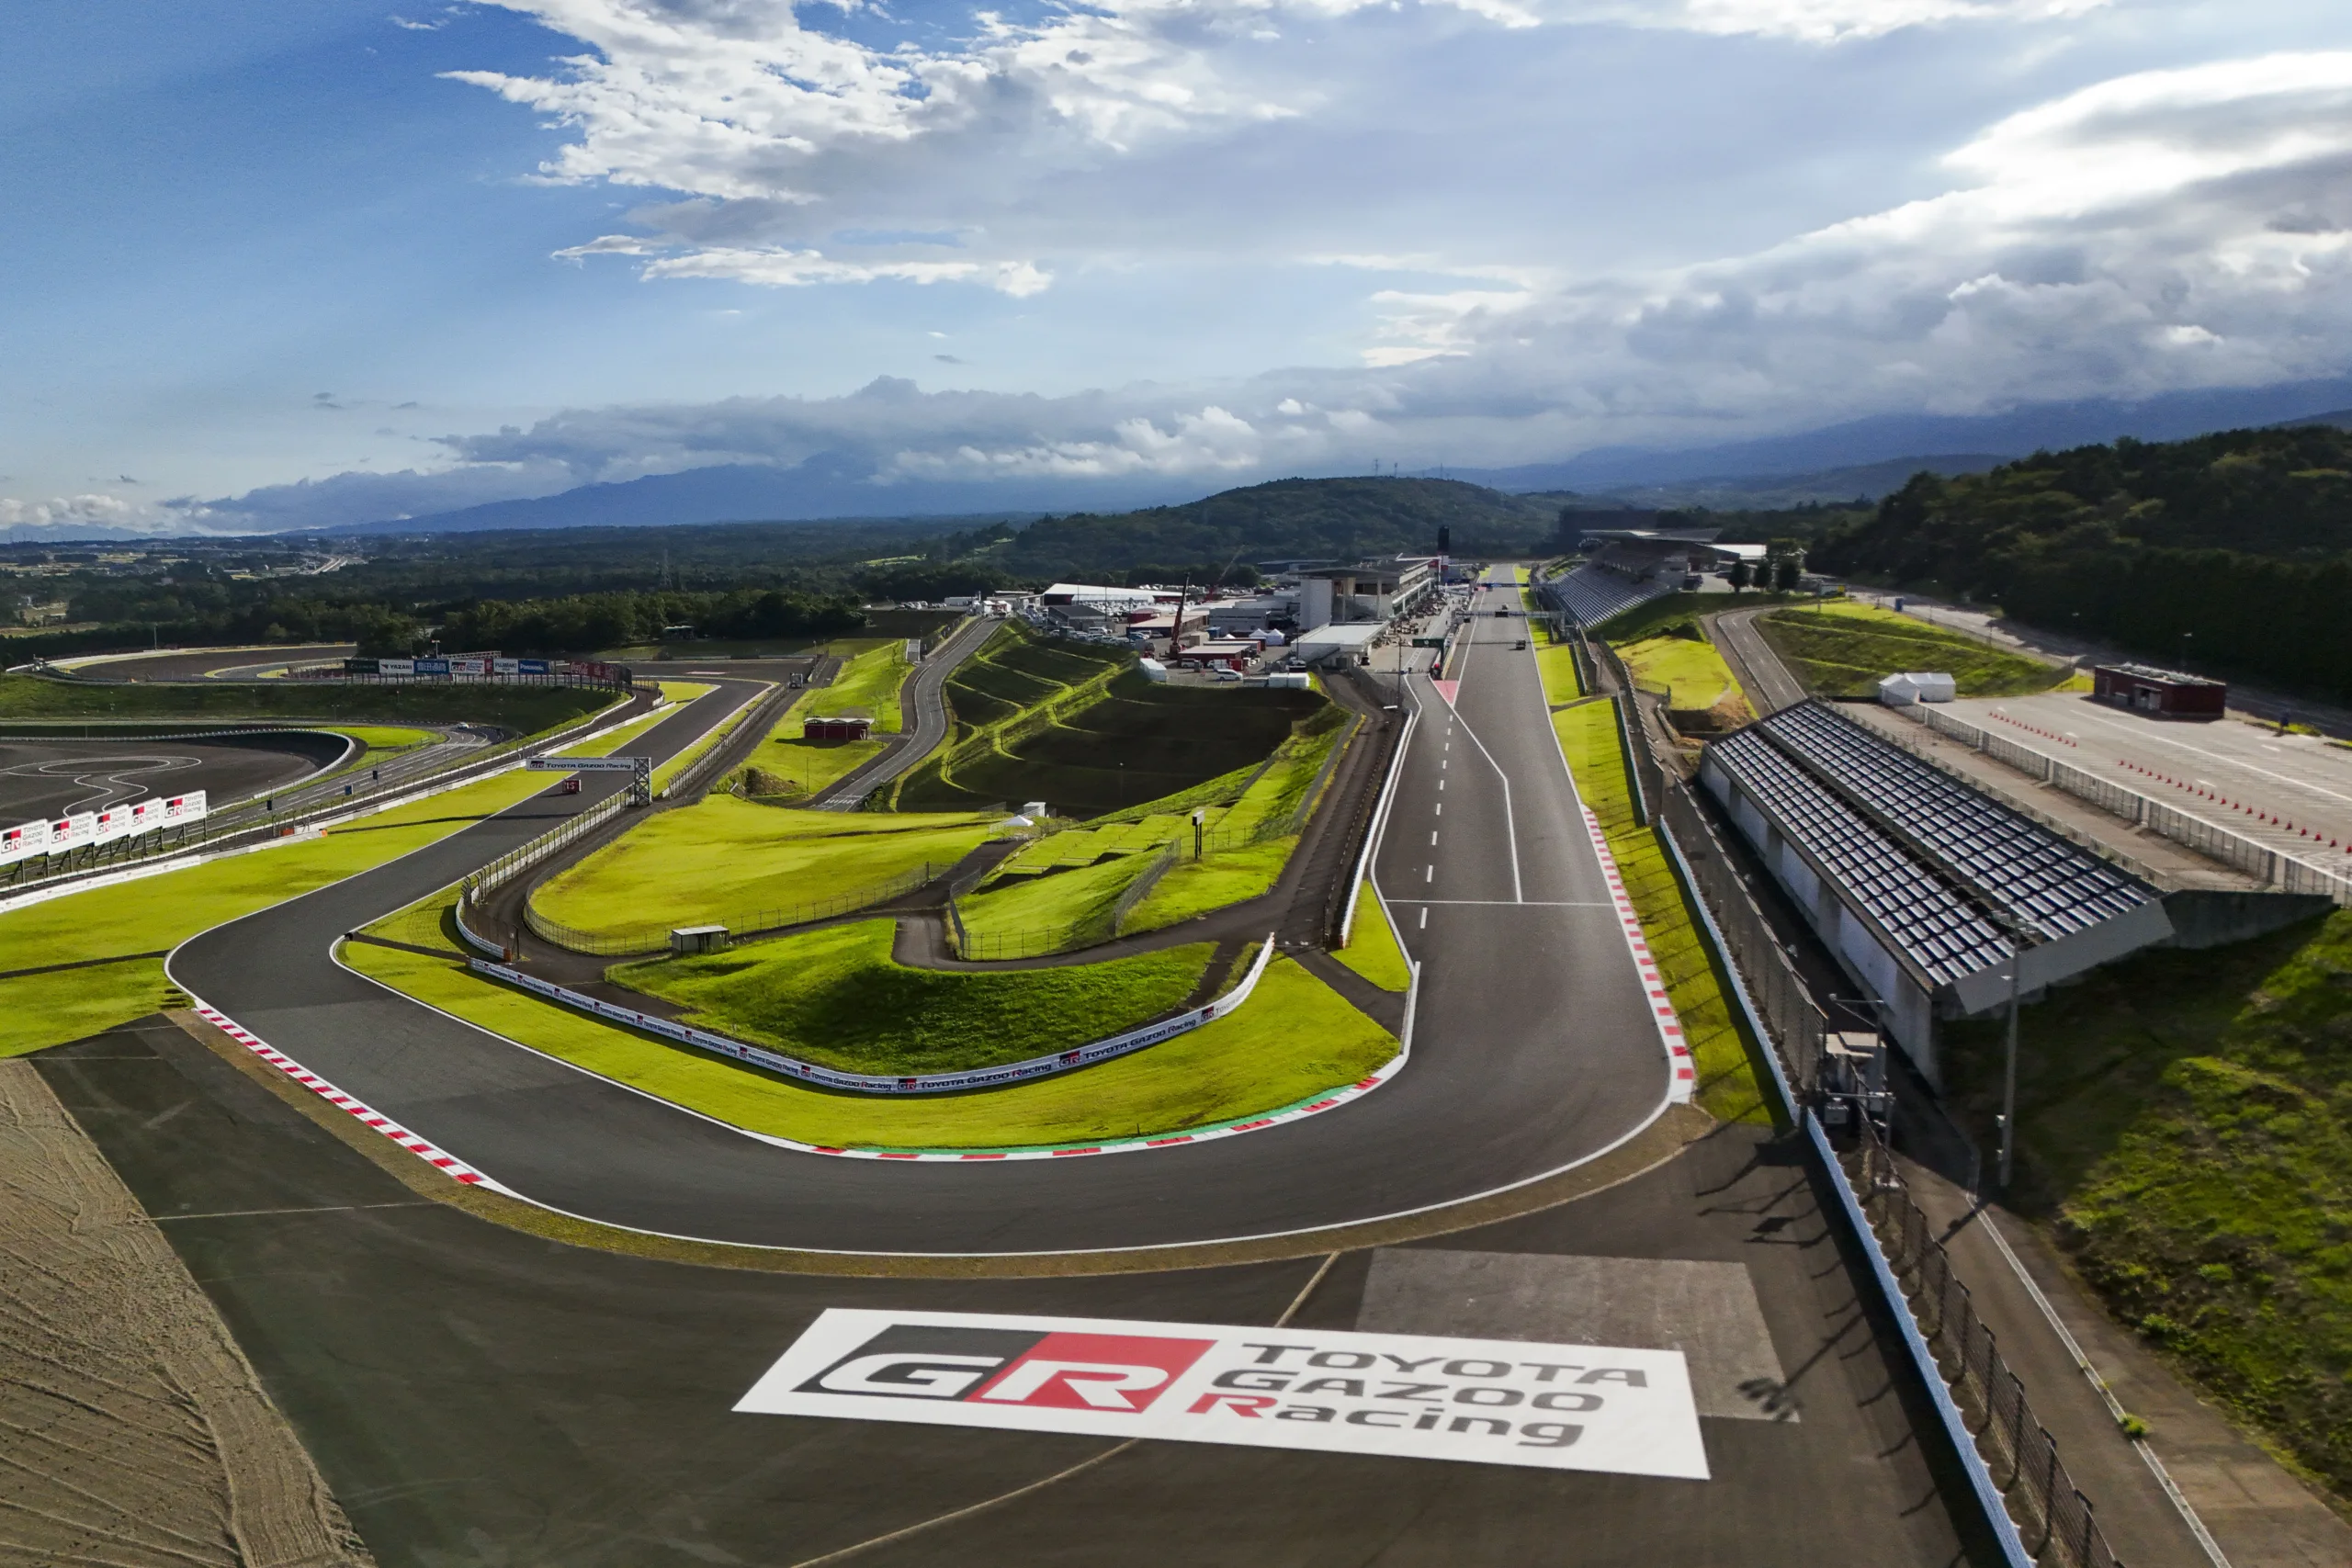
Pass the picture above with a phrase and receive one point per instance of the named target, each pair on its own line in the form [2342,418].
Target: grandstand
[1591,594]
[1928,893]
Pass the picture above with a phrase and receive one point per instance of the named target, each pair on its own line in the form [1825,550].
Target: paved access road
[1534,1049]
[205,665]
[2302,780]
[926,696]
[1766,680]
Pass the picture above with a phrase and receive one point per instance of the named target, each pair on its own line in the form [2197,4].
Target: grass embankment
[524,709]
[1075,726]
[1728,1087]
[689,755]
[157,913]
[785,768]
[2185,1123]
[1670,613]
[1842,649]
[729,862]
[834,997]
[1293,1041]
[1373,950]
[1224,877]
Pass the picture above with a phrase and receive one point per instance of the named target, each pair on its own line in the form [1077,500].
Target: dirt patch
[132,1430]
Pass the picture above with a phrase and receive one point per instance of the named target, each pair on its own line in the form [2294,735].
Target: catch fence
[2053,1517]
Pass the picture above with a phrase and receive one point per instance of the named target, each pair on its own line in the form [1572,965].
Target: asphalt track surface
[1766,680]
[58,776]
[478,1397]
[1534,1049]
[210,664]
[926,698]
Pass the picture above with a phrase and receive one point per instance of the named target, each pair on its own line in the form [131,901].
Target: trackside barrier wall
[2211,840]
[922,1083]
[1372,827]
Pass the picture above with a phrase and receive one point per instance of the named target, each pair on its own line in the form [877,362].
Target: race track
[1535,1047]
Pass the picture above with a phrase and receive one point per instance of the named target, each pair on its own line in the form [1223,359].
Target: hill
[1286,520]
[2237,545]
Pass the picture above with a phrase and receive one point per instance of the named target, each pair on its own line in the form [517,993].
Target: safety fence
[2054,1519]
[741,920]
[252,823]
[725,740]
[2272,867]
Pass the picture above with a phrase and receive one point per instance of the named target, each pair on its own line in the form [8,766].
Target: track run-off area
[1537,1046]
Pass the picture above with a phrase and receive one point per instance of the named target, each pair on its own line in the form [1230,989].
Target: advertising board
[1402,1395]
[112,823]
[430,666]
[188,807]
[23,839]
[506,666]
[396,667]
[532,667]
[72,832]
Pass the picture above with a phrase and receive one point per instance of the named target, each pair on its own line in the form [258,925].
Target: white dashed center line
[1425,917]
[1432,839]
[1428,874]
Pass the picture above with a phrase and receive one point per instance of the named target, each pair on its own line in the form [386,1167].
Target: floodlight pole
[2009,1084]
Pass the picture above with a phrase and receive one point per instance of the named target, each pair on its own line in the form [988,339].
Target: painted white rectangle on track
[1401,1395]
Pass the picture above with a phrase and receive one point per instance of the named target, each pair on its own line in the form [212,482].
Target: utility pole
[2009,1082]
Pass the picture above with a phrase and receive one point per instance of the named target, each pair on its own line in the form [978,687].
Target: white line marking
[1441,808]
[1425,917]
[1518,903]
[1510,820]
[2224,758]
[1432,840]
[1428,874]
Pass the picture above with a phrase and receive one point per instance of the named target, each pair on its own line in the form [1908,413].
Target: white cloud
[81,511]
[1813,21]
[2162,231]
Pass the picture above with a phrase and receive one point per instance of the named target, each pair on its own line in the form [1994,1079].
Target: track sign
[24,839]
[1404,1395]
[588,764]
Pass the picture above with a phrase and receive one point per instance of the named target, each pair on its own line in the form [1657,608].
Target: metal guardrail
[2054,1517]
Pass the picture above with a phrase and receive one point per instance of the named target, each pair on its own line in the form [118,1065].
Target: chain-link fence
[2054,1520]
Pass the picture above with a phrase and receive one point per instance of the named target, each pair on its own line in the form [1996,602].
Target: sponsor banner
[469,666]
[71,832]
[114,822]
[925,1083]
[188,807]
[1401,1395]
[532,667]
[23,839]
[589,765]
[429,666]
[396,667]
[361,666]
[506,666]
[147,813]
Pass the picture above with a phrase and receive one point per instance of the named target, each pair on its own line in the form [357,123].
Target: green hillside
[2231,552]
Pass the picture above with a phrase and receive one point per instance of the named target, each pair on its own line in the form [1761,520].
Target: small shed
[839,726]
[2160,694]
[698,938]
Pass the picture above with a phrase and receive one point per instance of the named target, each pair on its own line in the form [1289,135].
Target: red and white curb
[1670,1024]
[423,1149]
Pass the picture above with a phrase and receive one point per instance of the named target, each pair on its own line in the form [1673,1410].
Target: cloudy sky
[330,262]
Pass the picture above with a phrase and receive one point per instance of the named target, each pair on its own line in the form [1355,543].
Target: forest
[2228,551]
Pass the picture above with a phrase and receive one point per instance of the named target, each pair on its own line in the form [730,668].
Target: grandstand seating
[1590,594]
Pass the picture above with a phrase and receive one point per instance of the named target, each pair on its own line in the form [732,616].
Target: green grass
[1841,649]
[386,739]
[1558,664]
[1691,671]
[1729,1086]
[526,709]
[867,684]
[725,859]
[1293,1040]
[1373,950]
[1194,887]
[1669,612]
[1074,904]
[159,912]
[2185,1123]
[833,996]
